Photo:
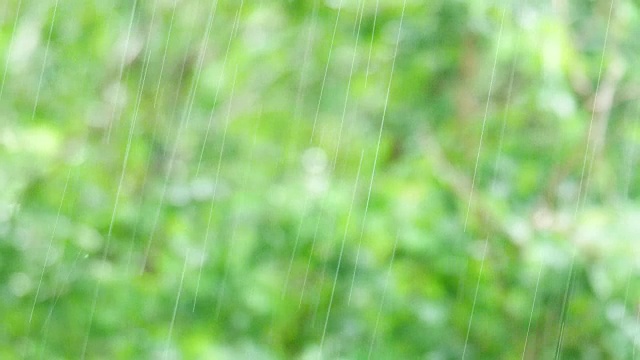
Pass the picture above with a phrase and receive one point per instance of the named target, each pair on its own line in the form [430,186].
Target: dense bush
[276,179]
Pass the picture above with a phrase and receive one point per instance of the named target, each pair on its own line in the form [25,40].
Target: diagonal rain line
[323,204]
[10,49]
[533,306]
[351,72]
[582,187]
[184,122]
[213,197]
[313,21]
[146,61]
[205,244]
[584,180]
[475,297]
[484,121]
[124,164]
[58,290]
[352,127]
[141,84]
[141,199]
[164,55]
[565,309]
[304,215]
[295,248]
[33,114]
[44,61]
[314,242]
[495,172]
[114,109]
[164,152]
[245,180]
[132,126]
[46,259]
[330,233]
[384,113]
[323,274]
[321,209]
[357,23]
[232,35]
[377,154]
[225,274]
[535,294]
[145,66]
[110,231]
[48,254]
[59,283]
[384,296]
[344,241]
[373,34]
[175,307]
[58,293]
[366,207]
[203,52]
[313,246]
[325,195]
[326,71]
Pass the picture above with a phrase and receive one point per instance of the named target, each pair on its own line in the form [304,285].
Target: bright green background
[247,142]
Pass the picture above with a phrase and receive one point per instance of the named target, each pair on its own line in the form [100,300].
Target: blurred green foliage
[187,178]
